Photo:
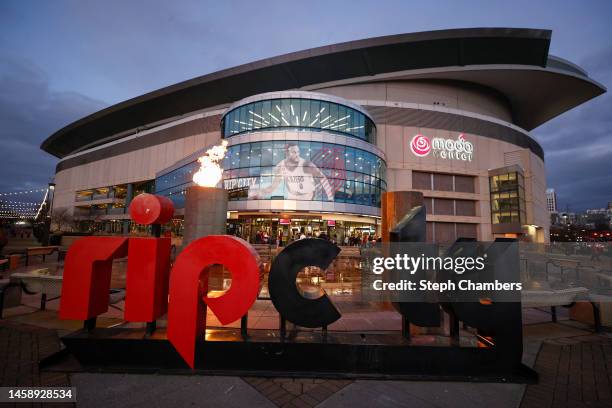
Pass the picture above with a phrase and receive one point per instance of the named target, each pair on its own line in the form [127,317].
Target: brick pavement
[574,372]
[21,348]
[296,392]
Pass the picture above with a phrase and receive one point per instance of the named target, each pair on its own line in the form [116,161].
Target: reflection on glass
[309,171]
[290,170]
[299,113]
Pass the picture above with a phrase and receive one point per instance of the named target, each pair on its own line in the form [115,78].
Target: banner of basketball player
[328,172]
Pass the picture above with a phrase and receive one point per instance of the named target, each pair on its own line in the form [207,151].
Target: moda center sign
[443,148]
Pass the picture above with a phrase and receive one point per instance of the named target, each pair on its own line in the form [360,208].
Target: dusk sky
[62,60]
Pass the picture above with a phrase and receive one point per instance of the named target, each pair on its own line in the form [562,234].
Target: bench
[49,285]
[40,280]
[41,251]
[562,297]
[552,298]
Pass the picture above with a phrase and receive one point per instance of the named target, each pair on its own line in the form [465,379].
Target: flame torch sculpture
[205,203]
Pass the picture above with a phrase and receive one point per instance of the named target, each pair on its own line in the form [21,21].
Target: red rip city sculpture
[152,289]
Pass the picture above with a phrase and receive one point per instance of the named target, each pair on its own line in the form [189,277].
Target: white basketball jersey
[300,185]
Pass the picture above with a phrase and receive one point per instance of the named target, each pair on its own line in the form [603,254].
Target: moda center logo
[439,147]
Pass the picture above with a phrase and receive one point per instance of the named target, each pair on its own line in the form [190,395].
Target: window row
[443,182]
[101,209]
[339,174]
[118,191]
[448,232]
[101,193]
[507,204]
[278,187]
[445,206]
[304,188]
[506,182]
[508,217]
[299,113]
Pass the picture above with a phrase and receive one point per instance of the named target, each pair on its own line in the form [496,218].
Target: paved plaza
[574,364]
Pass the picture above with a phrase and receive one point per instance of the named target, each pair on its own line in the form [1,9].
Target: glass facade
[174,183]
[287,170]
[507,198]
[297,113]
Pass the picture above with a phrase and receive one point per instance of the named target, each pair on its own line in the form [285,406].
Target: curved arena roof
[512,61]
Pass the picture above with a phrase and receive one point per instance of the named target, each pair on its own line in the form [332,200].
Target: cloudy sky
[61,60]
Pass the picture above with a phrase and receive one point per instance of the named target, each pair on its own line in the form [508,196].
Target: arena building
[314,138]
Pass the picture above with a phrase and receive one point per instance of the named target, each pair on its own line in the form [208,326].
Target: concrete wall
[450,94]
[489,153]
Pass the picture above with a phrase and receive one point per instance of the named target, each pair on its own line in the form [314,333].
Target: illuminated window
[507,198]
[298,113]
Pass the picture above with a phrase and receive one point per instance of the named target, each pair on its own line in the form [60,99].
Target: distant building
[599,218]
[567,218]
[598,211]
[551,200]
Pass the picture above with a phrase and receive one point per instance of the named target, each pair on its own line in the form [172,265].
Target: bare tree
[62,218]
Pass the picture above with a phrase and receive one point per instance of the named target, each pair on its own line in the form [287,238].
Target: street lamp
[51,196]
[49,203]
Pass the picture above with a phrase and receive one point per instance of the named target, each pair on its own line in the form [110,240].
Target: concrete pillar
[129,195]
[205,212]
[395,205]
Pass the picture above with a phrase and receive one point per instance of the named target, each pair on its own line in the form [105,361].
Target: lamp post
[49,203]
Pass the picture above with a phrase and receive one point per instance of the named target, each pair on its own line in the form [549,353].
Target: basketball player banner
[297,177]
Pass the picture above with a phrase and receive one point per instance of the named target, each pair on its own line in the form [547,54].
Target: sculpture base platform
[301,354]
